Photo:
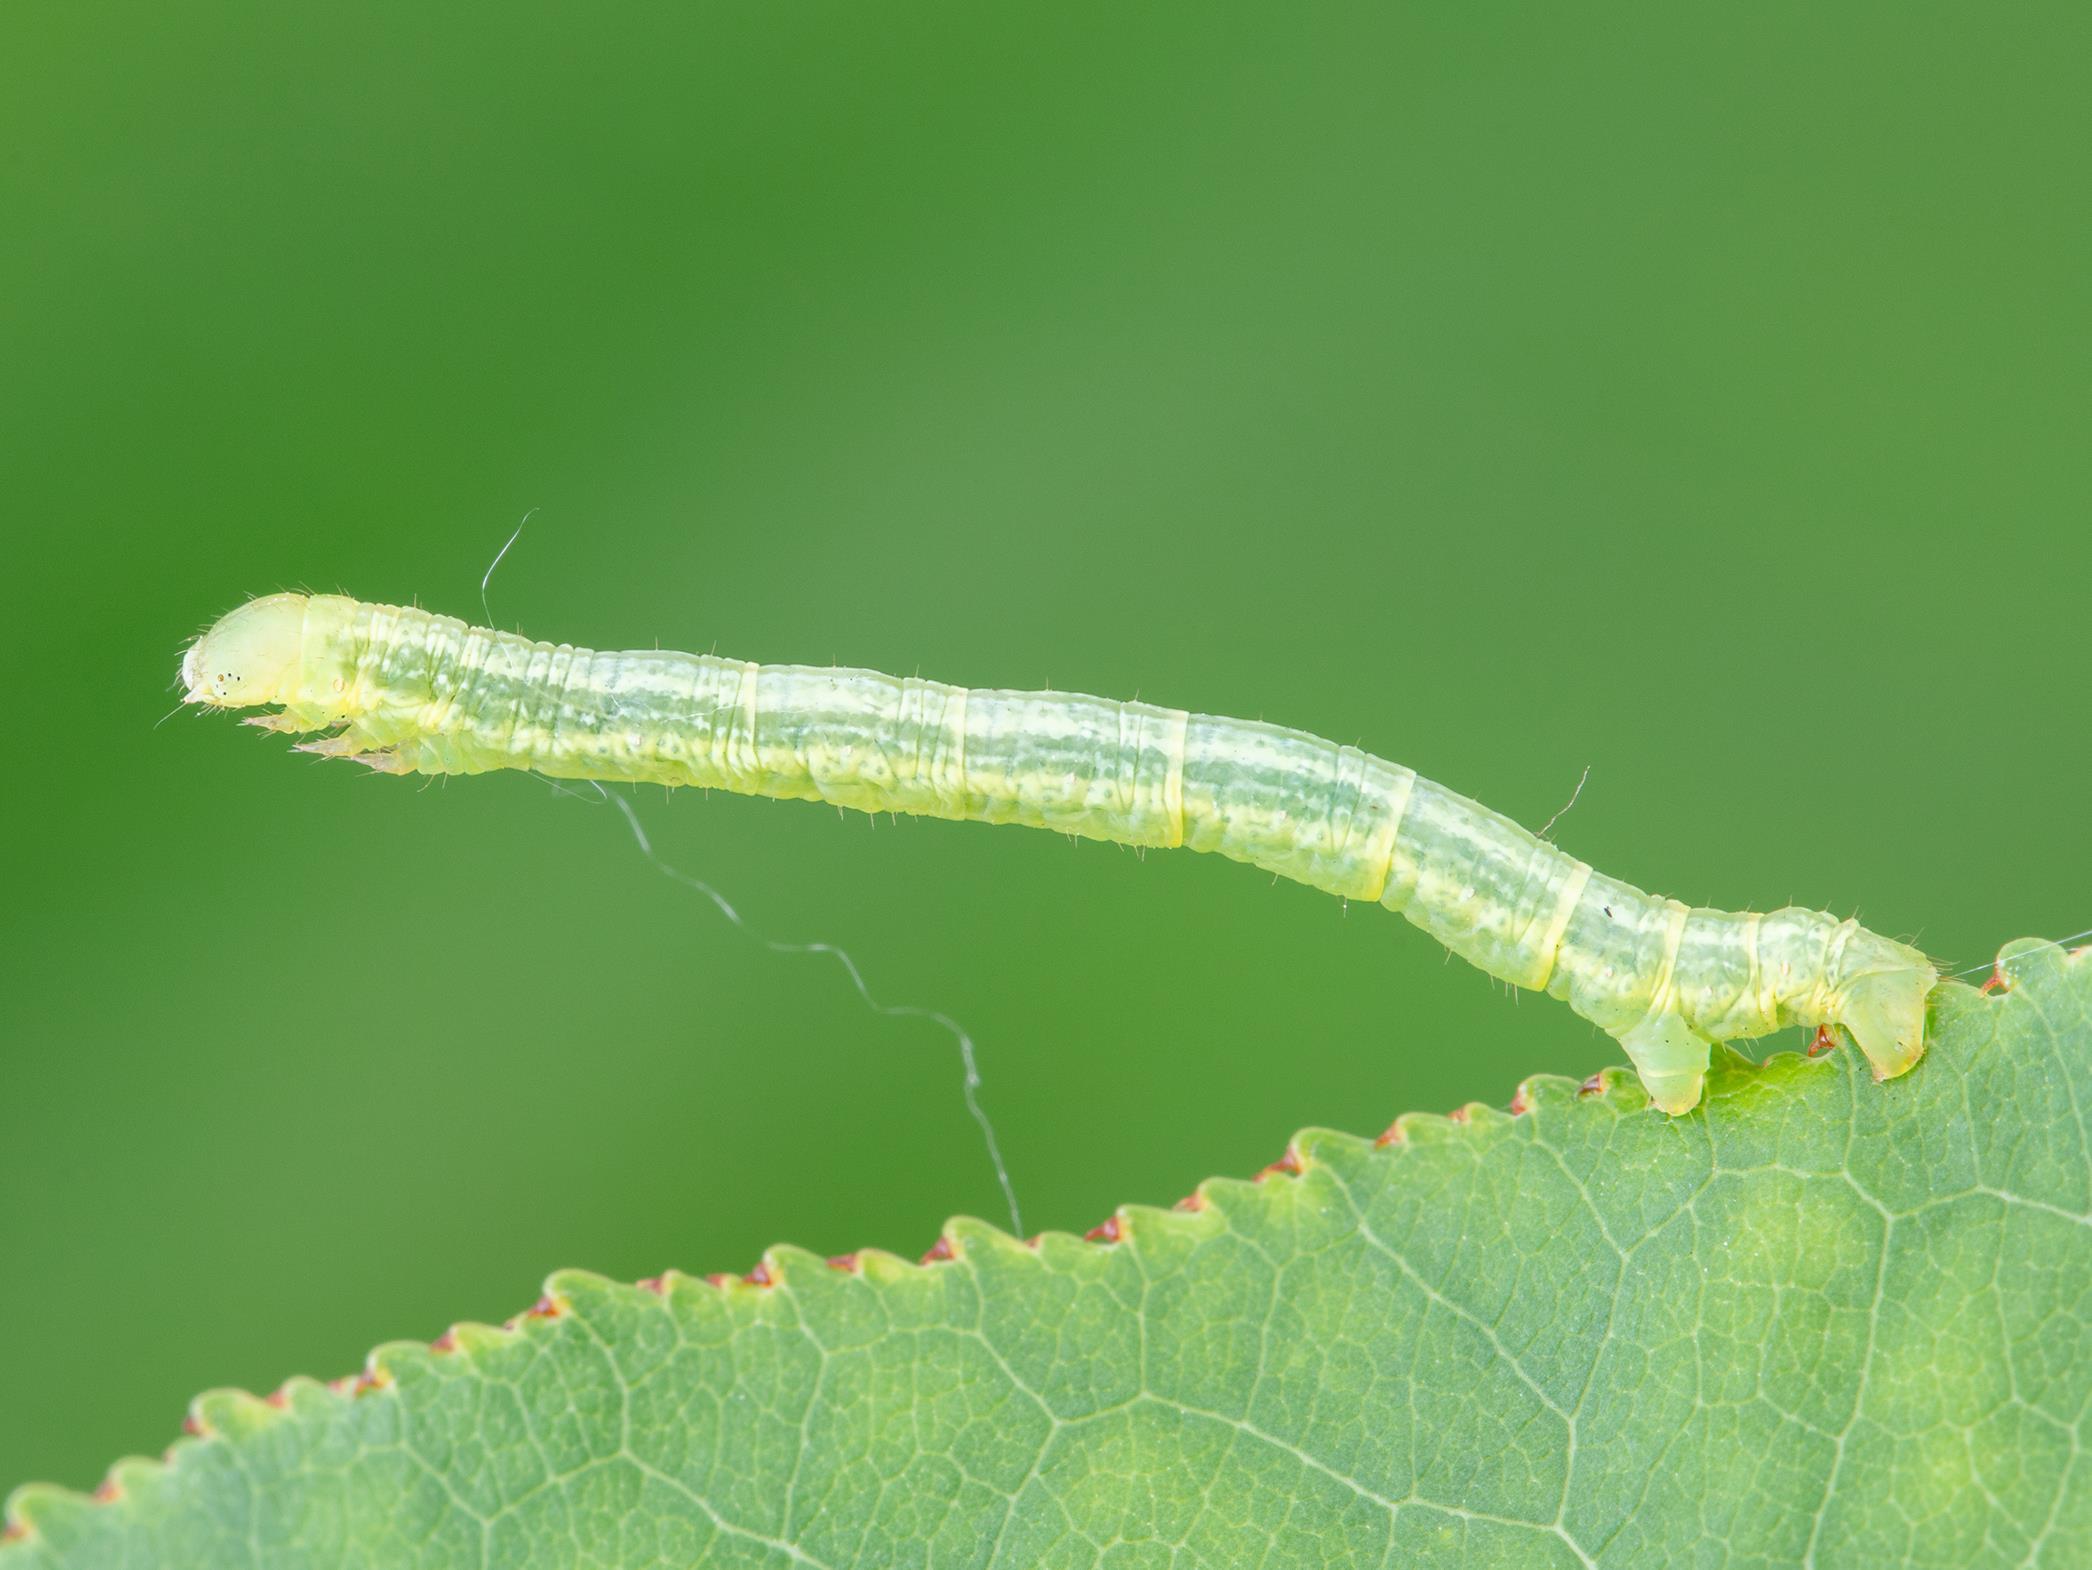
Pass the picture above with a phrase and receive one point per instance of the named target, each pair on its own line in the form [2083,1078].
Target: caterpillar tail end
[1885,1012]
[1671,1058]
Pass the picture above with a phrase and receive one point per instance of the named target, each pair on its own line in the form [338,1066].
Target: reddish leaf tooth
[1288,1165]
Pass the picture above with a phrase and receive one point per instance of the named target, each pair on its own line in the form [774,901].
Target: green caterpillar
[408,692]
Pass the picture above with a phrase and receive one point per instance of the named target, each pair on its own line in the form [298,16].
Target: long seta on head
[250,656]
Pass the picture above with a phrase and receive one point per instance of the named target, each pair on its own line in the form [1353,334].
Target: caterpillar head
[1880,998]
[251,656]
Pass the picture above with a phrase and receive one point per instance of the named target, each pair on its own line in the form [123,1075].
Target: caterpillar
[405,691]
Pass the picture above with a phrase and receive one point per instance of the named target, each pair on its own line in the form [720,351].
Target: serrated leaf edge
[219,1415]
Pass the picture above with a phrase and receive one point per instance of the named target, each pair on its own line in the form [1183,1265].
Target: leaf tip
[2024,960]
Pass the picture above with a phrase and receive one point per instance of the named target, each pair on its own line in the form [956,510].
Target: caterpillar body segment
[410,692]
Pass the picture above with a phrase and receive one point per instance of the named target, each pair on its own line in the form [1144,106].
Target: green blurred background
[1697,395]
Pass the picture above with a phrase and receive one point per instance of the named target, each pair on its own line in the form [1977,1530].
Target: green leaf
[1823,1322]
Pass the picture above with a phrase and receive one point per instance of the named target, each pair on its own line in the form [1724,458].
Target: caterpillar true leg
[327,746]
[351,750]
[416,693]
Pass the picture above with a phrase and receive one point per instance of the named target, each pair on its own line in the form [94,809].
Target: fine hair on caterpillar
[404,691]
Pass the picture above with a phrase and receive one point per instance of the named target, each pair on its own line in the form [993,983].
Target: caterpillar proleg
[405,691]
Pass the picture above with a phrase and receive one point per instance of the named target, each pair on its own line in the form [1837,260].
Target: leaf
[1825,1322]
